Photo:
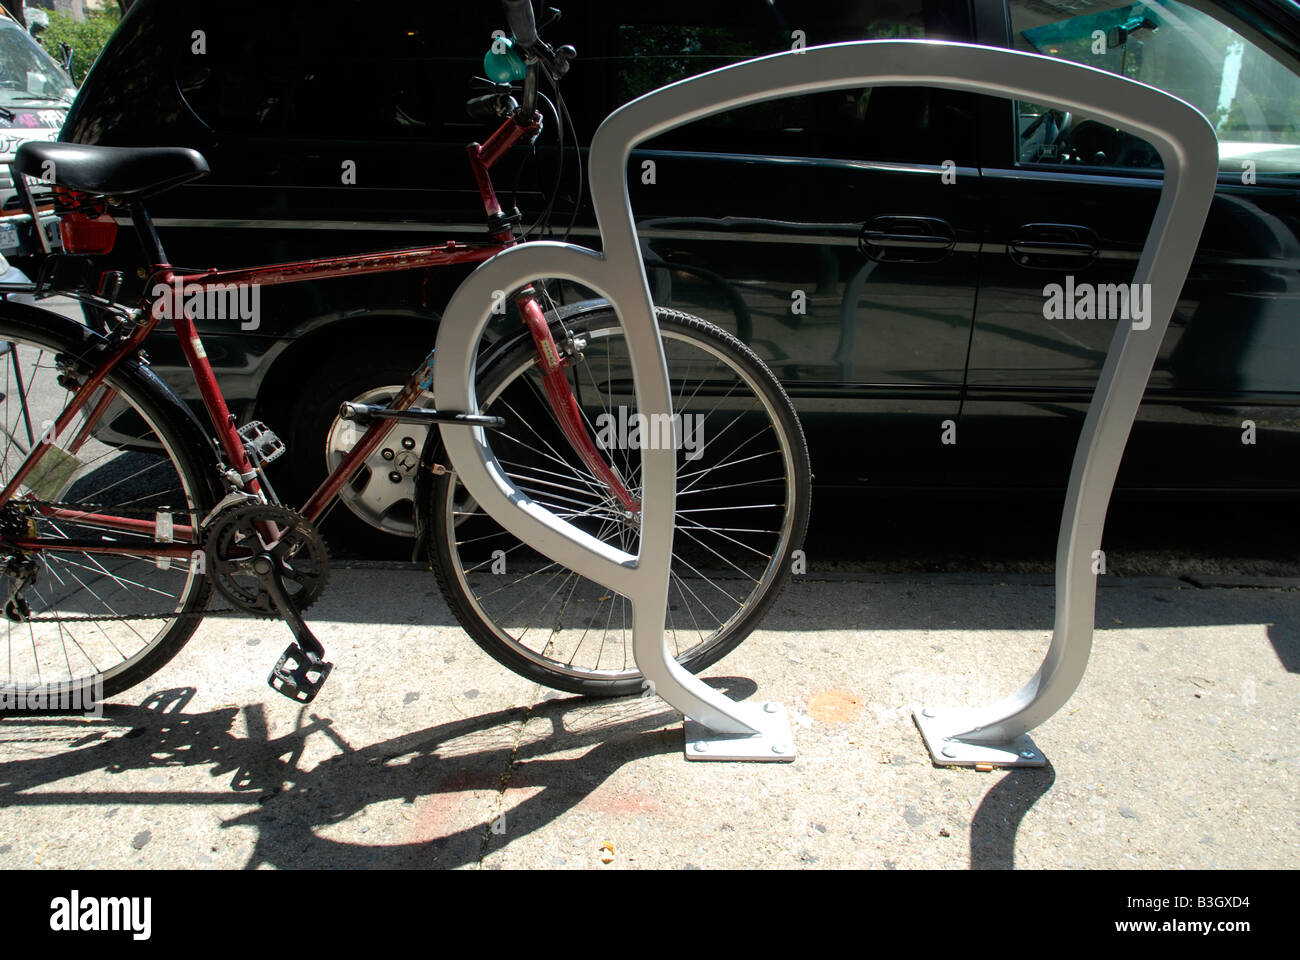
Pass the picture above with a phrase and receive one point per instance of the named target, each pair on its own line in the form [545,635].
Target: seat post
[148,235]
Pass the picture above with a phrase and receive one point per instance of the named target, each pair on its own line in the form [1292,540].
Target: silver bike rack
[718,728]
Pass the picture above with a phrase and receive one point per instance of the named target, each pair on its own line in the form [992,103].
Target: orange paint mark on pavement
[459,802]
[834,706]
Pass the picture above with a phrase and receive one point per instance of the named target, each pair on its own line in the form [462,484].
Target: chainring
[238,535]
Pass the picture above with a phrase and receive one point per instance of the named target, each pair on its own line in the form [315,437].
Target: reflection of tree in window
[1248,96]
[652,55]
[649,55]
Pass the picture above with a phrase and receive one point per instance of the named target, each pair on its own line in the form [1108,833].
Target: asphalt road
[1143,537]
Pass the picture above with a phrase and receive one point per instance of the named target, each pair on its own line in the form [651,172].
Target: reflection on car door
[1069,208]
[836,234]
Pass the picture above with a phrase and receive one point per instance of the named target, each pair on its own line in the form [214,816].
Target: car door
[836,234]
[1069,201]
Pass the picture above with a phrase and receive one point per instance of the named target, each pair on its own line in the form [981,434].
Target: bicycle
[123,512]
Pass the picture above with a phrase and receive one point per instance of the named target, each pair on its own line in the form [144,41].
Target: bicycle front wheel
[87,616]
[743,488]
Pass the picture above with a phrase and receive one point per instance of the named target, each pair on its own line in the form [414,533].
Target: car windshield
[29,75]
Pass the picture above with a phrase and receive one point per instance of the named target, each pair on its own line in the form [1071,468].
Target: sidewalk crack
[498,808]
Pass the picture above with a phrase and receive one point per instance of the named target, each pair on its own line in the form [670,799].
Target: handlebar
[519,16]
[521,59]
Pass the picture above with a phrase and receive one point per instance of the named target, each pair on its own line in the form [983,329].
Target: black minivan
[888,252]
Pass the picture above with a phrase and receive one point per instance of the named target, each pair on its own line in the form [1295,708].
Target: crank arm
[302,669]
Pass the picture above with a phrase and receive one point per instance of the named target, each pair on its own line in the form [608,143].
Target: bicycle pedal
[261,442]
[17,610]
[299,675]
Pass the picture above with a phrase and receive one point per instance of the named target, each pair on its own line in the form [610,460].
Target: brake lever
[552,16]
[556,62]
[491,86]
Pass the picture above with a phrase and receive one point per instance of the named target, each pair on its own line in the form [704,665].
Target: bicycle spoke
[92,615]
[733,520]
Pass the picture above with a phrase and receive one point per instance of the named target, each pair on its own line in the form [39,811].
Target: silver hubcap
[383,493]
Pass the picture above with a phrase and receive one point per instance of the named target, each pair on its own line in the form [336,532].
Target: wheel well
[405,336]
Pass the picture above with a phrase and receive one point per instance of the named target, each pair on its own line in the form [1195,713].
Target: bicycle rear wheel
[88,622]
[743,488]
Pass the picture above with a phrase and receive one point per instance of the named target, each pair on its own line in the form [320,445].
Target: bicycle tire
[149,427]
[453,561]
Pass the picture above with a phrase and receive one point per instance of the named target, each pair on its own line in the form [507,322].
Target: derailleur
[21,571]
[270,561]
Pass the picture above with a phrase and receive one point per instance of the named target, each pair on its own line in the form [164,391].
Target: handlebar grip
[519,17]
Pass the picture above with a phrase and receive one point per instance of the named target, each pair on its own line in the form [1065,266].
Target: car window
[652,44]
[1252,100]
[322,69]
[317,69]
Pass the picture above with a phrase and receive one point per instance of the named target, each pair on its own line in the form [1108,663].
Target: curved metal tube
[1186,143]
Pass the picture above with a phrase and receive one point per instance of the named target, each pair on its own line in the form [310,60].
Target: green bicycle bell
[501,64]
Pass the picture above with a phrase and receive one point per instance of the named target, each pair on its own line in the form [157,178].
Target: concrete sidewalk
[1180,749]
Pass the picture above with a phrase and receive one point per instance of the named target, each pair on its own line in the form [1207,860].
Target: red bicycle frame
[556,387]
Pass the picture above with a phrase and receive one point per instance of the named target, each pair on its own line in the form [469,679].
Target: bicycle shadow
[288,805]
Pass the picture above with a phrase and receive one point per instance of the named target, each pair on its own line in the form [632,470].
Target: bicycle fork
[565,406]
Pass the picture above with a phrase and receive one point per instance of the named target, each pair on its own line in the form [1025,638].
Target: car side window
[650,45]
[325,70]
[319,69]
[1252,99]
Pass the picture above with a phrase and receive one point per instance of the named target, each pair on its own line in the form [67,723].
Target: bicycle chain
[91,507]
[114,618]
[125,512]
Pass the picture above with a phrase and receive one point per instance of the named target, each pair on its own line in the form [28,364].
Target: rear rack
[19,233]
